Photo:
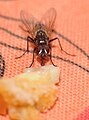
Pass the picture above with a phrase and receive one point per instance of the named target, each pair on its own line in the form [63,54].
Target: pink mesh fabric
[73,22]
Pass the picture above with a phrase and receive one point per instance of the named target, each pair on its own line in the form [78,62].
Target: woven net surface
[72,26]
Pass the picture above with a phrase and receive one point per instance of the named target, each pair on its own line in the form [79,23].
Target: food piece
[31,92]
[47,100]
[23,113]
[3,107]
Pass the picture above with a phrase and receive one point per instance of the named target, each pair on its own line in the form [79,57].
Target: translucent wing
[29,22]
[48,19]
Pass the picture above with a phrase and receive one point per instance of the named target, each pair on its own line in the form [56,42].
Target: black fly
[39,34]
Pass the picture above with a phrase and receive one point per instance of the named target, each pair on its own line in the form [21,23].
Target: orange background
[73,22]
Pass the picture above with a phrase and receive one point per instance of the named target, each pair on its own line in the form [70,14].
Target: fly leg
[60,45]
[28,39]
[32,57]
[50,55]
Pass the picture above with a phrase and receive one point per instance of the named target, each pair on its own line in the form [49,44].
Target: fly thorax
[41,37]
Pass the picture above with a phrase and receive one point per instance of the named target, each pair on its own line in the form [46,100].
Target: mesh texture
[72,22]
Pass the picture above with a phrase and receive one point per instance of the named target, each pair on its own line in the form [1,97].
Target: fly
[40,34]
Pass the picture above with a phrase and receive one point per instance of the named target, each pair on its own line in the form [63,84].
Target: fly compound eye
[46,51]
[43,52]
[40,52]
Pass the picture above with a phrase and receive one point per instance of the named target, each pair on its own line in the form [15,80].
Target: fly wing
[29,22]
[48,19]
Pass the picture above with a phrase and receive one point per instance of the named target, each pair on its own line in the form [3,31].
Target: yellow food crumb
[31,92]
